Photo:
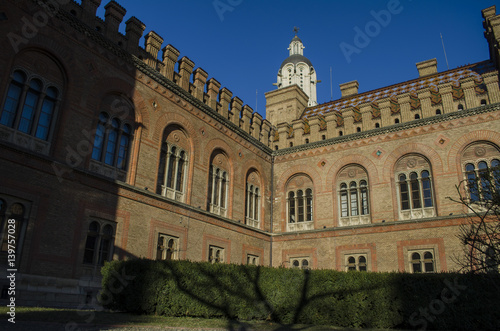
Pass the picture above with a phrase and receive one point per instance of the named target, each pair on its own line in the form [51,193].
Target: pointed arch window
[172,172]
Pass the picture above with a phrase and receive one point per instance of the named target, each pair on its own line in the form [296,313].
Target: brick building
[111,153]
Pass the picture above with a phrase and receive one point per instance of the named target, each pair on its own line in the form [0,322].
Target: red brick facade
[121,152]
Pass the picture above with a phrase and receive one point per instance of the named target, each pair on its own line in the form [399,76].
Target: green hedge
[290,296]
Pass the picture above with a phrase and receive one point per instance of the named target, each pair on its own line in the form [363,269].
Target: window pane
[354,199]
[104,250]
[171,167]
[343,204]
[472,182]
[42,130]
[426,189]
[11,105]
[309,205]
[110,147]
[28,112]
[415,191]
[216,187]
[223,191]
[364,200]
[98,141]
[300,205]
[291,207]
[180,174]
[123,152]
[256,206]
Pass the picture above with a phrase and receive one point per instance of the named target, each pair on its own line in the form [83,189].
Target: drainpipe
[271,213]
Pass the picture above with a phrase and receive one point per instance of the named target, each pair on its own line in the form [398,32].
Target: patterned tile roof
[411,86]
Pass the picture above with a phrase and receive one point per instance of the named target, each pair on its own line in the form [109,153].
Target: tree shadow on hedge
[248,290]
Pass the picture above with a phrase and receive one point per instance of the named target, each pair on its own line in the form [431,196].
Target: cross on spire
[295,29]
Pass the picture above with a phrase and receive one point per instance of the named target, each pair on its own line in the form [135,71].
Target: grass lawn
[107,319]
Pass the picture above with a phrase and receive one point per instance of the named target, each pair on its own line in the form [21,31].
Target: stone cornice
[390,129]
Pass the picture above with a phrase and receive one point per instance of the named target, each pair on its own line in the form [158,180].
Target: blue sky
[242,43]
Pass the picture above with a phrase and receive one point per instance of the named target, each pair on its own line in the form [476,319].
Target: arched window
[353,196]
[216,254]
[111,142]
[396,121]
[481,162]
[438,111]
[252,200]
[377,125]
[300,263]
[167,248]
[417,116]
[356,262]
[300,204]
[14,216]
[483,102]
[218,184]
[460,107]
[99,242]
[421,261]
[30,105]
[171,172]
[414,187]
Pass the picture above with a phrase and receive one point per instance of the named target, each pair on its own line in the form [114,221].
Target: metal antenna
[331,85]
[256,100]
[442,42]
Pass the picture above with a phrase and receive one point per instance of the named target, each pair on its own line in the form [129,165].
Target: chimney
[428,67]
[349,88]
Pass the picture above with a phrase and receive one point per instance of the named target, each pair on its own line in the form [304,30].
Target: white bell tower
[298,70]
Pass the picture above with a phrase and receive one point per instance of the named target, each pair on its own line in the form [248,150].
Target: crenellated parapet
[165,61]
[431,95]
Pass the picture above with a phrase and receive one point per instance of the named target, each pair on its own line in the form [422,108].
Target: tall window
[99,243]
[353,196]
[252,206]
[111,141]
[483,179]
[300,203]
[300,206]
[218,187]
[422,261]
[414,187]
[167,248]
[172,171]
[30,105]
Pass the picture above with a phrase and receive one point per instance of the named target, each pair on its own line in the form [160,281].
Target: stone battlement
[208,91]
[430,95]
